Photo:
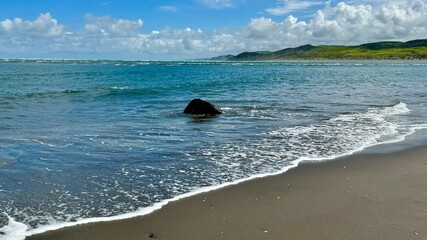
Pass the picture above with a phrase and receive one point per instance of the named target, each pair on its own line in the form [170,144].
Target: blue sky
[172,29]
[156,14]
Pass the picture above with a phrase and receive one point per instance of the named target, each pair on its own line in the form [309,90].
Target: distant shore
[371,195]
[194,61]
[411,50]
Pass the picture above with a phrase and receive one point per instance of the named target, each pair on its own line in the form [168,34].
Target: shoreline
[191,61]
[191,213]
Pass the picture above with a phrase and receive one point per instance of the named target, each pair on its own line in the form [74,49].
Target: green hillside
[416,49]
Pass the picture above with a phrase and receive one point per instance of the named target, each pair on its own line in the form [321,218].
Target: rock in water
[198,106]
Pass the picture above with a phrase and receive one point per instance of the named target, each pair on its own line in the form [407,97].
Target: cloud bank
[106,37]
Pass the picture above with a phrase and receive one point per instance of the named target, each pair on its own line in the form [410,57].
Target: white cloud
[168,8]
[287,6]
[108,26]
[262,28]
[106,37]
[42,26]
[219,4]
[354,24]
[342,24]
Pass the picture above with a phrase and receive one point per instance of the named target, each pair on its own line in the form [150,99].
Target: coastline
[375,194]
[196,61]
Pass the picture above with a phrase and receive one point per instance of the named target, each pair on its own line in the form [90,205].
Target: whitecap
[14,230]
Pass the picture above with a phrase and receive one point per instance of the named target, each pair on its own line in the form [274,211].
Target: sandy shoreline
[363,196]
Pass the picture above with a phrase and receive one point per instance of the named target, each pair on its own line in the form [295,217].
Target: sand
[363,196]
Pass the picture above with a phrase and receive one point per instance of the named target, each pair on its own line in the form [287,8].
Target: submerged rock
[200,107]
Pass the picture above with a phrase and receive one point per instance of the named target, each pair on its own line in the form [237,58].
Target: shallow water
[81,139]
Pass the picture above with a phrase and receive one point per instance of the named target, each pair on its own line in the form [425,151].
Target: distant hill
[416,49]
[222,58]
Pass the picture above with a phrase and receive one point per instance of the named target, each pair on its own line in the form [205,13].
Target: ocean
[85,141]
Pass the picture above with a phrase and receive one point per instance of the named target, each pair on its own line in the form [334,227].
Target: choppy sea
[84,141]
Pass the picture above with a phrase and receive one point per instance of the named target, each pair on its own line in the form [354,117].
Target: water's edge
[416,137]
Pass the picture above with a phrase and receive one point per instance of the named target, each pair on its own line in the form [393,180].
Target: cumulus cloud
[360,23]
[344,24]
[108,26]
[104,36]
[266,34]
[42,26]
[341,24]
[287,6]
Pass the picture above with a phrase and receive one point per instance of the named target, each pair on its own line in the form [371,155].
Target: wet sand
[363,196]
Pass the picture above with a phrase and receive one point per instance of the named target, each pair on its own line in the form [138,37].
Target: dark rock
[200,107]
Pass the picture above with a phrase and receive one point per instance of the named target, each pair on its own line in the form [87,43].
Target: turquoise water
[82,139]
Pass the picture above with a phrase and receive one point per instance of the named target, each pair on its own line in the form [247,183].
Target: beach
[310,120]
[363,196]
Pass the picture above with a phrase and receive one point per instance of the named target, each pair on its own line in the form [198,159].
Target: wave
[8,100]
[326,139]
[14,230]
[271,153]
[126,91]
[73,91]
[12,98]
[133,63]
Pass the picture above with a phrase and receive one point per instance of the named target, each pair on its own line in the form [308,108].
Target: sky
[191,29]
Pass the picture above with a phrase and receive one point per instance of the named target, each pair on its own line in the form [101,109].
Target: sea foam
[13,230]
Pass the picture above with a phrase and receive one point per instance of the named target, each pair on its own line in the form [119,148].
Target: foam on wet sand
[363,196]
